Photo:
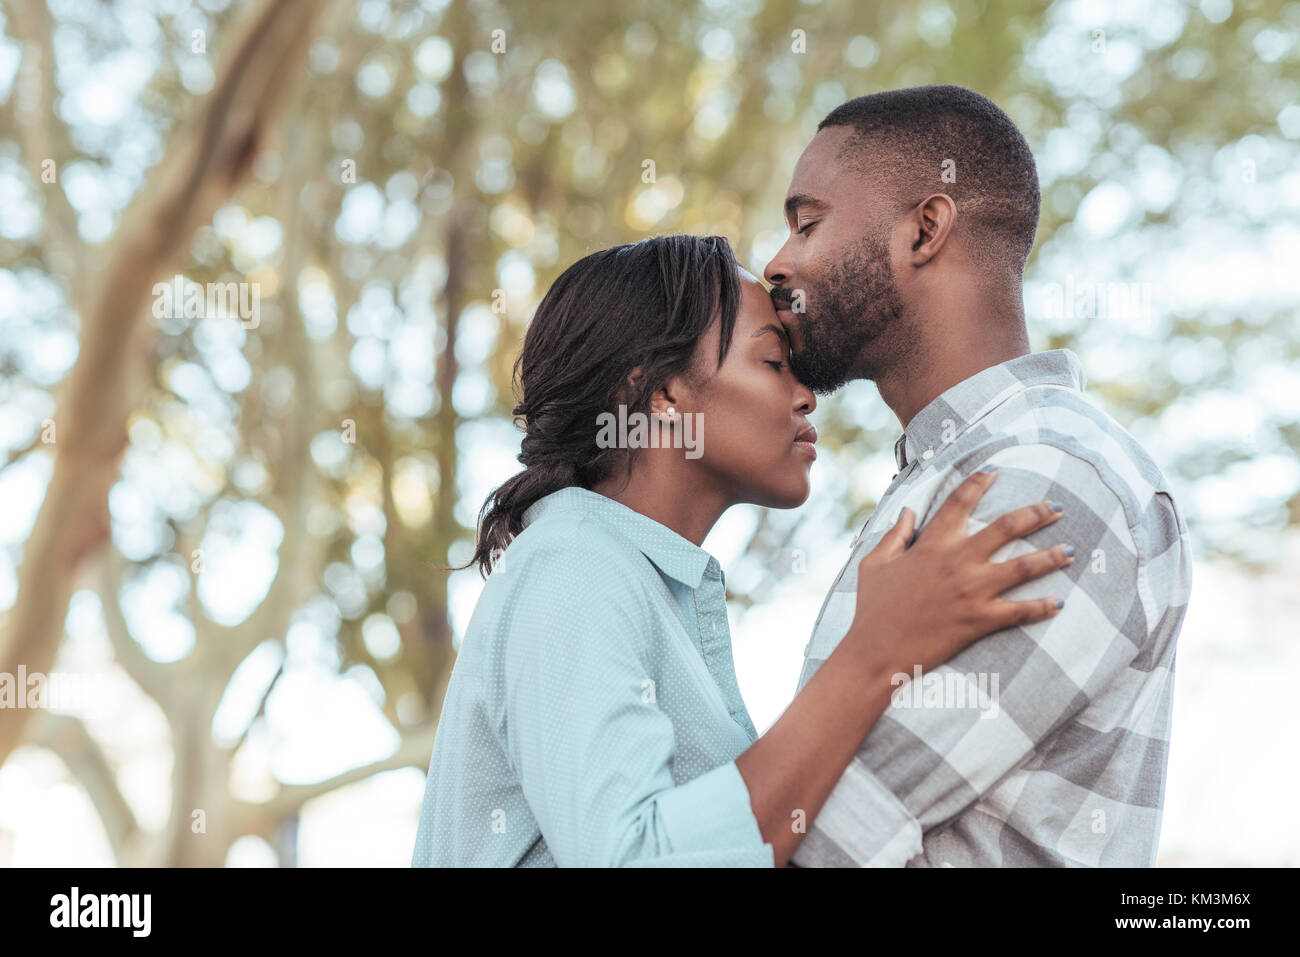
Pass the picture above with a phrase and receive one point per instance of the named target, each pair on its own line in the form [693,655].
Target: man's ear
[929,224]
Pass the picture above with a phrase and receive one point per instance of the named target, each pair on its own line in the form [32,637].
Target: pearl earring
[671,411]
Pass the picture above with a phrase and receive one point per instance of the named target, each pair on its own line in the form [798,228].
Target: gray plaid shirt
[1043,745]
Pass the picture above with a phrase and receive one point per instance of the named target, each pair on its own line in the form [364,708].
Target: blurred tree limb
[44,138]
[66,736]
[207,158]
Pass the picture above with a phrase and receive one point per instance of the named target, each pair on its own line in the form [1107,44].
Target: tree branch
[204,162]
[261,708]
[294,470]
[150,675]
[16,454]
[414,750]
[43,137]
[66,736]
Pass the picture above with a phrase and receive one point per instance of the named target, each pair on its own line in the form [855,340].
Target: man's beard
[849,310]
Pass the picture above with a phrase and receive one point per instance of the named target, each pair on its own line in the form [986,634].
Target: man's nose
[778,269]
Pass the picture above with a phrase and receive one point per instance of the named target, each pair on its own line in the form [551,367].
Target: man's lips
[789,320]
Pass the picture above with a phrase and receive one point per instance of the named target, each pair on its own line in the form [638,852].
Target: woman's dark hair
[643,304]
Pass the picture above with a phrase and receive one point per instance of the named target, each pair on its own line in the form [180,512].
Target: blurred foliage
[448,159]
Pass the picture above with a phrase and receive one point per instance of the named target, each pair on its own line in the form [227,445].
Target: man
[912,213]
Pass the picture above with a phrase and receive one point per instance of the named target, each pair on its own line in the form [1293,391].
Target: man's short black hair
[924,131]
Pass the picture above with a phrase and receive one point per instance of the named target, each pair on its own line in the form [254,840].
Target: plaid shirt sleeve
[927,761]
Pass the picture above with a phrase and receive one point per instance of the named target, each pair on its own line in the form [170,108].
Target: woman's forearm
[792,768]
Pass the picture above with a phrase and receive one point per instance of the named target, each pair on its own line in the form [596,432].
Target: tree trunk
[204,163]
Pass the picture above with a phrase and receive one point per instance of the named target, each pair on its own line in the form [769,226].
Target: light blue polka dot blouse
[593,718]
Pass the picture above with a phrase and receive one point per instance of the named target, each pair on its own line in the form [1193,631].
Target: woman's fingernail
[1058,507]
[1069,551]
[988,468]
[1060,603]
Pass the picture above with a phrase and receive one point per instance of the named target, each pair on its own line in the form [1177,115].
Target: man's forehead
[837,169]
[820,161]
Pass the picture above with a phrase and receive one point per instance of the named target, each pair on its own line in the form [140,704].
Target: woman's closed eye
[775,364]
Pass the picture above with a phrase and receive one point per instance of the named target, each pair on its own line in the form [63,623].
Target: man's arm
[928,759]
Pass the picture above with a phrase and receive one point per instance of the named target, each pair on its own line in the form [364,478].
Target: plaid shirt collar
[963,405]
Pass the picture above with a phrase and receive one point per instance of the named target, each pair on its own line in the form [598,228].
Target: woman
[593,716]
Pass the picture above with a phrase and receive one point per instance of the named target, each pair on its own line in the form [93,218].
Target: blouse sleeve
[591,747]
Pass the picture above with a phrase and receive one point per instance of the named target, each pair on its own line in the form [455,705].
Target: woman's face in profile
[757,440]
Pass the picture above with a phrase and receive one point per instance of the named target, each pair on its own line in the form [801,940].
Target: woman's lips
[805,439]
